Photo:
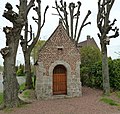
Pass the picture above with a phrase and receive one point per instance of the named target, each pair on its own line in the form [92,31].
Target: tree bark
[28,45]
[105,26]
[13,35]
[105,70]
[28,83]
[10,83]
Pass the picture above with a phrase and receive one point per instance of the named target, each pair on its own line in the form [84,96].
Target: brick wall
[51,52]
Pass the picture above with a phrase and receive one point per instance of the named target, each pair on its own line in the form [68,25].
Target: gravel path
[87,104]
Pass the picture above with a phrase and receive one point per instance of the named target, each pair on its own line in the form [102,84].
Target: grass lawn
[22,86]
[113,99]
[110,101]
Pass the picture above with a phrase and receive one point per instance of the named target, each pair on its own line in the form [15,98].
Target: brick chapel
[58,67]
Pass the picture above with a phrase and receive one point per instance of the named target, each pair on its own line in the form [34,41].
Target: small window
[60,47]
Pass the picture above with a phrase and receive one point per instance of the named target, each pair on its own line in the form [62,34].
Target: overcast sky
[52,23]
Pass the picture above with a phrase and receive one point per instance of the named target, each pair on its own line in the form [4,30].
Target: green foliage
[109,101]
[94,74]
[89,55]
[1,98]
[85,76]
[34,53]
[115,74]
[21,67]
[27,93]
[20,71]
[22,86]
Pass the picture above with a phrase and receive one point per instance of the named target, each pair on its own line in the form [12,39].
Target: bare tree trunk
[105,70]
[28,83]
[13,35]
[105,26]
[28,44]
[10,83]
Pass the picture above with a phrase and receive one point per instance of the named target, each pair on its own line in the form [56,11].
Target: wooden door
[59,80]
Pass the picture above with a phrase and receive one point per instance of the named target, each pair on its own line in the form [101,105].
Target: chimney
[88,37]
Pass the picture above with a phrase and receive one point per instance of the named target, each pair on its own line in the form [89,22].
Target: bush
[20,72]
[92,76]
[85,76]
[114,70]
[89,55]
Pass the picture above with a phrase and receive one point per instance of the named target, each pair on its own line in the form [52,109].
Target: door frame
[68,73]
[58,71]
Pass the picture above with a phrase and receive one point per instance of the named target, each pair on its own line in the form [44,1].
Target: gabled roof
[61,28]
[88,42]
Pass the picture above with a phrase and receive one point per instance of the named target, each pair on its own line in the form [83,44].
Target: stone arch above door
[68,72]
[65,64]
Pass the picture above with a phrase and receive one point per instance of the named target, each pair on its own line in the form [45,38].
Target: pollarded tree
[13,35]
[105,26]
[72,29]
[28,44]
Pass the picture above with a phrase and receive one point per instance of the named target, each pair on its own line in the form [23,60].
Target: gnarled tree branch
[103,22]
[77,14]
[62,12]
[30,5]
[83,24]
[10,14]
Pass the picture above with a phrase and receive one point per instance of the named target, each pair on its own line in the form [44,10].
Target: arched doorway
[59,80]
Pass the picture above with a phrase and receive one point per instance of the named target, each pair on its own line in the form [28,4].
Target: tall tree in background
[13,34]
[35,51]
[72,29]
[28,44]
[105,26]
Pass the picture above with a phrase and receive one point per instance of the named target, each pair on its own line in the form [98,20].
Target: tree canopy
[89,55]
[35,51]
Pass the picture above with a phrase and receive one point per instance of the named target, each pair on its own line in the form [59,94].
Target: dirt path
[87,104]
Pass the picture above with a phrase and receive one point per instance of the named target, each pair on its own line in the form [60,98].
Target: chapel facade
[58,67]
